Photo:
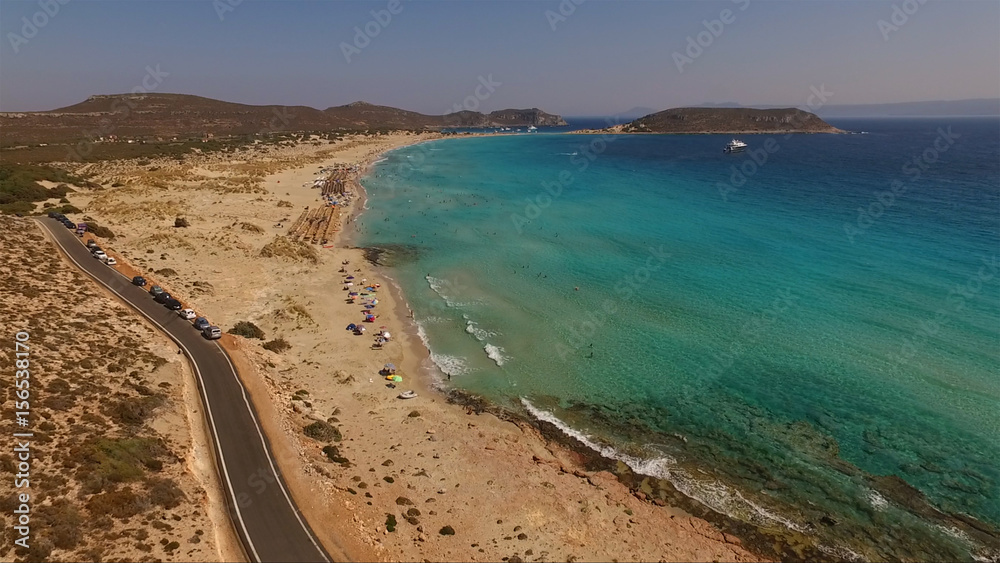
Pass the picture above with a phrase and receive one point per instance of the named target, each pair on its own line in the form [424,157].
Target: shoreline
[787,545]
[469,464]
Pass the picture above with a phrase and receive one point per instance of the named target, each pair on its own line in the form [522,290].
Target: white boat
[532,129]
[735,146]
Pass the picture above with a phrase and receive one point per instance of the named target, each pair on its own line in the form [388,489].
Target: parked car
[186,314]
[54,214]
[91,243]
[212,332]
[111,261]
[139,281]
[162,297]
[155,290]
[100,255]
[172,304]
[201,323]
[69,224]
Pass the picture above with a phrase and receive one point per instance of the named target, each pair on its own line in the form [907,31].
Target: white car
[111,261]
[100,255]
[186,314]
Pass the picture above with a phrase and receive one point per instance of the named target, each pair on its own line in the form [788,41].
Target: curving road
[265,518]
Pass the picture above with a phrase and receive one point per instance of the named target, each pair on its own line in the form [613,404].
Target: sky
[570,57]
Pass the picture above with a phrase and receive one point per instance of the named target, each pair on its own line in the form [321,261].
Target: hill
[728,120]
[149,116]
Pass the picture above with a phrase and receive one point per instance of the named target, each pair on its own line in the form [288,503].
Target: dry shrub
[322,431]
[252,228]
[283,247]
[278,345]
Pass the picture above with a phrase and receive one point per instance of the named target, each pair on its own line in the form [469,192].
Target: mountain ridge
[186,115]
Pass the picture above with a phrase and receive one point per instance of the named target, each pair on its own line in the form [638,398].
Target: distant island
[150,115]
[737,121]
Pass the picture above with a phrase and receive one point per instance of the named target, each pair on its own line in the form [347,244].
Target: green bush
[19,186]
[181,222]
[247,329]
[278,345]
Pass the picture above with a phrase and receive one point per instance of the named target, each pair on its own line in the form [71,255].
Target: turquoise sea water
[739,326]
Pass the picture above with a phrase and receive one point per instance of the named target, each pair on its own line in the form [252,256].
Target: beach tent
[390,366]
[352,326]
[397,378]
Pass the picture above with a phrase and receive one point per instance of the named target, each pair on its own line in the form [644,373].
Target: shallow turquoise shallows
[772,331]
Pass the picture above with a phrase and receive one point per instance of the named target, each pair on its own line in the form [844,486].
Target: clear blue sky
[606,57]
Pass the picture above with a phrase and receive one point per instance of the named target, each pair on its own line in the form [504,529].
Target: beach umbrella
[390,366]
[350,277]
[385,335]
[352,326]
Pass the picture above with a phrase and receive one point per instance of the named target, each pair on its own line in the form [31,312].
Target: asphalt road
[265,518]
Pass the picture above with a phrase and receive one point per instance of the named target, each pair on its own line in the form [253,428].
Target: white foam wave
[496,354]
[445,290]
[473,328]
[380,160]
[877,501]
[450,365]
[568,153]
[711,493]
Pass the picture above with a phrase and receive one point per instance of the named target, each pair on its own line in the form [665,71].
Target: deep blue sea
[778,332]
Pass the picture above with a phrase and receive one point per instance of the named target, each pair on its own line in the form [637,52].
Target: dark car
[95,248]
[162,297]
[172,304]
[201,323]
[53,214]
[91,243]
[69,224]
[139,281]
[155,290]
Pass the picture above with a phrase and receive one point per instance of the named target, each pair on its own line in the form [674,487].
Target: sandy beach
[408,479]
